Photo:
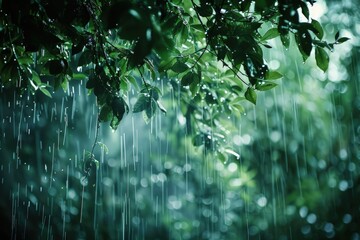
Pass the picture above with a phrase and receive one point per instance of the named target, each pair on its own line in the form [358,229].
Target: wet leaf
[119,107]
[250,95]
[45,91]
[273,75]
[133,81]
[142,103]
[151,109]
[264,86]
[189,78]
[179,67]
[155,93]
[342,39]
[304,9]
[322,58]
[304,41]
[205,10]
[271,33]
[105,113]
[319,30]
[79,76]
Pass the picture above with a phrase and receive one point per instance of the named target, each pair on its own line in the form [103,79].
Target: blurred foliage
[287,168]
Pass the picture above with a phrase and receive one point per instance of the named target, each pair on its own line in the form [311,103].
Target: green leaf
[119,109]
[35,78]
[25,60]
[304,41]
[322,58]
[151,109]
[106,114]
[342,39]
[142,103]
[319,30]
[166,64]
[273,75]
[124,85]
[179,67]
[250,95]
[133,81]
[79,76]
[337,35]
[304,9]
[205,10]
[45,91]
[155,93]
[264,86]
[114,123]
[271,33]
[189,78]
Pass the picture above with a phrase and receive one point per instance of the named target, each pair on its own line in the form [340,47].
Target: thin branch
[200,56]
[198,16]
[234,71]
[143,79]
[90,161]
[100,35]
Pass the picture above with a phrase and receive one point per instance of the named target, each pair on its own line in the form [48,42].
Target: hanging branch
[91,159]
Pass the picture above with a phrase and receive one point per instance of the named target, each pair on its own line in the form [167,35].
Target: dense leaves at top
[212,50]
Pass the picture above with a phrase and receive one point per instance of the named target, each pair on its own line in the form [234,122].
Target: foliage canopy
[212,50]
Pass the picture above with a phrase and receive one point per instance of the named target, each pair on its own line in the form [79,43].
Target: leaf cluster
[212,49]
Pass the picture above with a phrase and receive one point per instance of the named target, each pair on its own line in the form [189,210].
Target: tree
[117,45]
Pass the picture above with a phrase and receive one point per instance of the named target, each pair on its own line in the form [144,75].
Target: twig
[200,56]
[198,16]
[143,79]
[233,70]
[99,34]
